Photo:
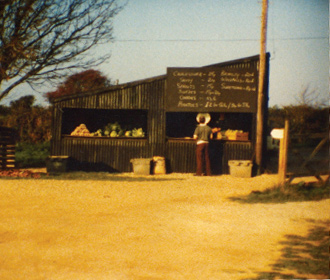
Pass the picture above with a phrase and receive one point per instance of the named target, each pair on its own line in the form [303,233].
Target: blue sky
[151,35]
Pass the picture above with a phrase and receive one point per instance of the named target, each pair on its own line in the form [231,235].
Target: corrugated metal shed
[145,97]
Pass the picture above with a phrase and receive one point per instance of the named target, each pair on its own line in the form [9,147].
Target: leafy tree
[33,123]
[45,40]
[308,115]
[306,119]
[80,82]
[303,119]
[4,113]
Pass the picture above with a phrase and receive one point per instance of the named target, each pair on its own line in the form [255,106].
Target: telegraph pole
[262,69]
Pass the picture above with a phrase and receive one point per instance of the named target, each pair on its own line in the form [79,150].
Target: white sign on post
[277,133]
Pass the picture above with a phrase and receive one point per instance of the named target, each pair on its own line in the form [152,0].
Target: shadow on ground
[81,176]
[105,176]
[288,193]
[303,257]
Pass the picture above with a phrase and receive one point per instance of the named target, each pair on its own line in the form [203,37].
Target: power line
[219,40]
[301,38]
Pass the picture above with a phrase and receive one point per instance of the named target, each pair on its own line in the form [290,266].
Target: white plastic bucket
[141,166]
[240,168]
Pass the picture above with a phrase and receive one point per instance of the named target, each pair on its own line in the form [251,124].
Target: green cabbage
[113,134]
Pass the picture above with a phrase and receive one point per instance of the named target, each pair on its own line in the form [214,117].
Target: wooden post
[283,157]
[262,66]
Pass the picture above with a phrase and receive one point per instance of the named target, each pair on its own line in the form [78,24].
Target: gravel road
[127,227]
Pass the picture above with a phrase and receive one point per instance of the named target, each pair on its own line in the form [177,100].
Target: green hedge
[32,155]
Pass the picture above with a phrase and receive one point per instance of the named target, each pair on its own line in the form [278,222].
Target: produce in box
[97,133]
[237,135]
[115,130]
[81,130]
[113,134]
[138,132]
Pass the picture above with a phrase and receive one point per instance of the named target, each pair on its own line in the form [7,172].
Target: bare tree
[44,40]
[311,98]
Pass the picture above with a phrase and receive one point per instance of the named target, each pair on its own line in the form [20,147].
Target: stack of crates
[8,138]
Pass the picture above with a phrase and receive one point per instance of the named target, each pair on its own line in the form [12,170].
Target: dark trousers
[203,159]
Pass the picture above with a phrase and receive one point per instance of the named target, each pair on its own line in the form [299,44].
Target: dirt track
[174,226]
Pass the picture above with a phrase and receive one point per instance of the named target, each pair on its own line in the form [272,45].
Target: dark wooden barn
[165,109]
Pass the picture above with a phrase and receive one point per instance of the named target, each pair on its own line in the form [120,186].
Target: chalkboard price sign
[212,89]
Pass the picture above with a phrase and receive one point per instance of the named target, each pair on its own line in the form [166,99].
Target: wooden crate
[7,147]
[239,136]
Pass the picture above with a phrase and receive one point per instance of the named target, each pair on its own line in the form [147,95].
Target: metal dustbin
[240,168]
[159,165]
[57,164]
[141,166]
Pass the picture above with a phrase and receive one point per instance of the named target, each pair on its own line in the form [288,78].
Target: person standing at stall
[203,133]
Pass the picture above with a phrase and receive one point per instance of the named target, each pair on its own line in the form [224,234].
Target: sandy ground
[174,226]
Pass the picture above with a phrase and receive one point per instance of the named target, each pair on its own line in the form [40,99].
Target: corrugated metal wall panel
[181,156]
[104,154]
[236,151]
